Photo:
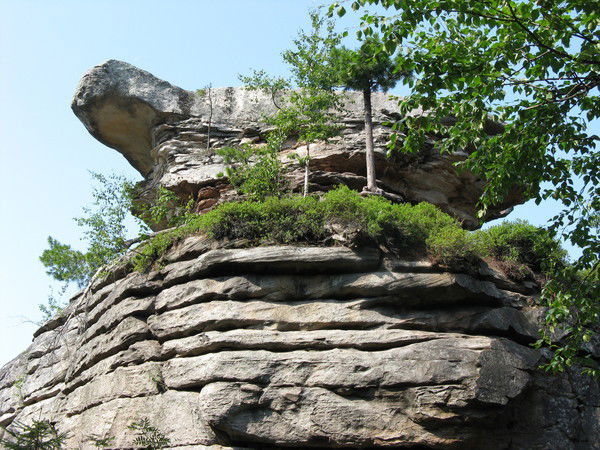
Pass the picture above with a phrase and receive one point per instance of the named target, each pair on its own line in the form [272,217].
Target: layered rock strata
[290,346]
[304,347]
[163,131]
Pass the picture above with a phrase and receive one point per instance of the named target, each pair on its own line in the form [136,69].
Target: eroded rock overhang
[162,130]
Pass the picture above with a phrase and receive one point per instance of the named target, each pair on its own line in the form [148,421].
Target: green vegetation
[158,379]
[572,313]
[288,220]
[43,435]
[54,306]
[319,63]
[308,112]
[148,436]
[534,67]
[310,117]
[18,386]
[104,231]
[165,210]
[418,230]
[40,435]
[99,442]
[522,243]
[256,171]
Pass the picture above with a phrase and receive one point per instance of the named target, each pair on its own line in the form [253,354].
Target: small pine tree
[367,69]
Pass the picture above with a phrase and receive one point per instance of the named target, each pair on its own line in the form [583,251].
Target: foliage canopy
[534,67]
[105,228]
[367,68]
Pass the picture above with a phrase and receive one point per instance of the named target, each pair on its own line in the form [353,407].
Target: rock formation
[289,346]
[162,131]
[300,347]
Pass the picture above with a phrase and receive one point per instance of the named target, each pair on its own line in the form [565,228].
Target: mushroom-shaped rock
[120,104]
[164,132]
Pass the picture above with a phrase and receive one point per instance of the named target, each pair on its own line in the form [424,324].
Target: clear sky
[45,152]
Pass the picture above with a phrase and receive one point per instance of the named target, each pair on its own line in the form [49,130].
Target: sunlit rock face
[225,346]
[304,347]
[162,130]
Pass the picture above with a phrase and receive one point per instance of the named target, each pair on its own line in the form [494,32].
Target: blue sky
[46,153]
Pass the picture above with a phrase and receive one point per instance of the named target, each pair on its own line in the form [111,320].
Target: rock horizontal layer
[301,347]
[291,346]
[163,131]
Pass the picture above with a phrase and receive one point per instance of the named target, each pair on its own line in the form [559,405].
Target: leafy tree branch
[534,68]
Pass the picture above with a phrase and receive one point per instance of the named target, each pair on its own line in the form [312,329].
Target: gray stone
[304,347]
[129,331]
[275,259]
[317,417]
[176,414]
[291,346]
[213,341]
[124,382]
[136,354]
[162,130]
[112,316]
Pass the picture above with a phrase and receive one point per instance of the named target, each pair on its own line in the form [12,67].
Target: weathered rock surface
[275,347]
[290,346]
[162,130]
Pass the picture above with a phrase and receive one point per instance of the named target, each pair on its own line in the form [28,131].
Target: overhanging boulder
[162,130]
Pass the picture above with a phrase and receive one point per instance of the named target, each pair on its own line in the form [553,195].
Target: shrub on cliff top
[522,243]
[275,220]
[413,230]
[416,229]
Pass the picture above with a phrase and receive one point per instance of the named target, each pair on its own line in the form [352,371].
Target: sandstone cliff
[162,131]
[290,346]
[301,347]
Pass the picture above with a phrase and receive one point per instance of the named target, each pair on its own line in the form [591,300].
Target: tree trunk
[306,169]
[370,154]
[210,106]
